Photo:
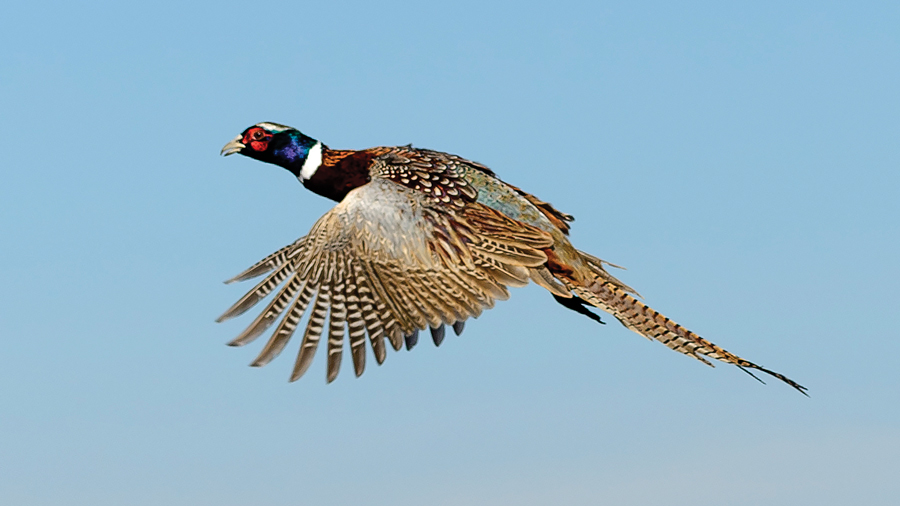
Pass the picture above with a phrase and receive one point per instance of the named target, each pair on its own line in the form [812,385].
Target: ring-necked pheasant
[421,239]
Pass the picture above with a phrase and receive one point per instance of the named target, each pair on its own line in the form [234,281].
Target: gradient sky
[740,160]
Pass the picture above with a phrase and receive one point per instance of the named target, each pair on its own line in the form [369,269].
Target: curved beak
[234,146]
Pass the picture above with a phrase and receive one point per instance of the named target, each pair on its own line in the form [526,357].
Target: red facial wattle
[257,138]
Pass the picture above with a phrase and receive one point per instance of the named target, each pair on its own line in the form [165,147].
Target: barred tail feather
[649,323]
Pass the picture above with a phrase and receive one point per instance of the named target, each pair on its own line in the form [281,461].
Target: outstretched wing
[387,261]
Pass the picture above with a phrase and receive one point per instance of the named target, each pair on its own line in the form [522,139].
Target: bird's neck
[298,153]
[333,173]
[310,163]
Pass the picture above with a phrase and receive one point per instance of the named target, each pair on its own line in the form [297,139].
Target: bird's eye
[258,135]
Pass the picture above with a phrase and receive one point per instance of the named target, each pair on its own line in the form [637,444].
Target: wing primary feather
[437,334]
[269,314]
[395,336]
[286,328]
[411,339]
[259,292]
[369,309]
[336,325]
[313,332]
[267,264]
[356,325]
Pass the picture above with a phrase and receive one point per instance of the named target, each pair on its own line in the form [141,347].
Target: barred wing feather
[386,262]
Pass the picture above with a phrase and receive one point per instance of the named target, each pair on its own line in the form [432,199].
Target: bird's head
[278,144]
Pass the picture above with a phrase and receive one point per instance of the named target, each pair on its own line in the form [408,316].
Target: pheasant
[421,239]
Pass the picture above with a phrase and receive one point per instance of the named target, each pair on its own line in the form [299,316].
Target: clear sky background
[740,160]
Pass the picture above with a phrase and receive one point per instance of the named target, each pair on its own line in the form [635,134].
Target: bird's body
[421,239]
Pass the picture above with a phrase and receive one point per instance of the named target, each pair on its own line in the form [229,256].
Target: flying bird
[421,239]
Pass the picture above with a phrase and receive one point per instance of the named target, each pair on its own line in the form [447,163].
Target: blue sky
[740,160]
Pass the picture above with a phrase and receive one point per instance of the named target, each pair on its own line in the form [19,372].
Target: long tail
[606,293]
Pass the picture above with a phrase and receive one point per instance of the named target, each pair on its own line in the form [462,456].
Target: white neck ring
[312,163]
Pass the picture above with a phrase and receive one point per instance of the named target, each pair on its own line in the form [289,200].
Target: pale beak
[233,147]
